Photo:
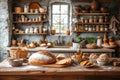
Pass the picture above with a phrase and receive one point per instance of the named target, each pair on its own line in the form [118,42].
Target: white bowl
[101,63]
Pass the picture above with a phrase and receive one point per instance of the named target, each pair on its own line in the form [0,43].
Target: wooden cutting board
[55,65]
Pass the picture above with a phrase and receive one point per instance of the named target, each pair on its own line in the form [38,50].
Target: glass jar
[97,28]
[90,28]
[27,30]
[31,30]
[86,21]
[99,41]
[95,19]
[36,30]
[86,28]
[82,20]
[93,28]
[90,19]
[100,19]
[106,28]
[101,28]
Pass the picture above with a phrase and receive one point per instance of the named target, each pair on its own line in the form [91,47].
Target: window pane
[60,17]
[56,27]
[56,19]
[64,9]
[64,19]
[56,9]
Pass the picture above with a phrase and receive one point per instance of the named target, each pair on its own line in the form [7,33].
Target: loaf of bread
[41,57]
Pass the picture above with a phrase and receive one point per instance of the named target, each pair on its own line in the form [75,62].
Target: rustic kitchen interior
[59,39]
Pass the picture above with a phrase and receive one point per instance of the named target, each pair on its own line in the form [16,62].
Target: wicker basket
[18,53]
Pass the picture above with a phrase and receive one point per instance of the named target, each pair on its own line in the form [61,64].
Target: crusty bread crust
[34,61]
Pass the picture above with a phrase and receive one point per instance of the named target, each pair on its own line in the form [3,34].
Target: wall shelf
[90,31]
[97,14]
[29,13]
[30,33]
[92,23]
[29,22]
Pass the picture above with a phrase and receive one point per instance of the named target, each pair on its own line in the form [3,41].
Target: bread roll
[41,57]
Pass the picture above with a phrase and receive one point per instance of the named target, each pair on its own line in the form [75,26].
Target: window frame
[60,3]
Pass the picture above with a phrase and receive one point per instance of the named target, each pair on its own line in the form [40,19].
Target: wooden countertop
[6,69]
[69,50]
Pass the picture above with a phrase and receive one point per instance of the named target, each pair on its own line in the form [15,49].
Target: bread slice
[66,61]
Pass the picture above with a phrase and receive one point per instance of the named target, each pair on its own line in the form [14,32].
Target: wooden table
[68,73]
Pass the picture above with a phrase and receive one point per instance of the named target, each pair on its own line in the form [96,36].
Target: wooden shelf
[30,33]
[90,31]
[28,13]
[29,22]
[92,23]
[97,14]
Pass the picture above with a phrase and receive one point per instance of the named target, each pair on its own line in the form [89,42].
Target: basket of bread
[18,53]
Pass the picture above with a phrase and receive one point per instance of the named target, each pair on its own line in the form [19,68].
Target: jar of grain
[91,19]
[97,28]
[101,19]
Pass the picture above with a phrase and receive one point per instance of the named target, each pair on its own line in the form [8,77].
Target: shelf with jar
[91,28]
[31,31]
[93,20]
[25,19]
[91,14]
[28,13]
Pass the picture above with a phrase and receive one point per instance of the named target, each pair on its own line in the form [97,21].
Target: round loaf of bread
[41,58]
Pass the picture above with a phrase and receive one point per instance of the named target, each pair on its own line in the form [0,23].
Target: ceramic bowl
[15,62]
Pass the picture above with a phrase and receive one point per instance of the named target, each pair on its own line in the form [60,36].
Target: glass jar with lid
[106,28]
[90,19]
[100,19]
[101,28]
[99,41]
[82,20]
[95,19]
[86,28]
[93,28]
[97,28]
[90,28]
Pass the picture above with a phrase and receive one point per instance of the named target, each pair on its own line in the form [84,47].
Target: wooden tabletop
[6,69]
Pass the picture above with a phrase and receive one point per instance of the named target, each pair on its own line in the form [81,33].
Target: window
[60,17]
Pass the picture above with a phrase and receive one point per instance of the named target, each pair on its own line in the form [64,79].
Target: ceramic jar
[36,30]
[53,31]
[99,41]
[18,9]
[14,42]
[67,32]
[31,30]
